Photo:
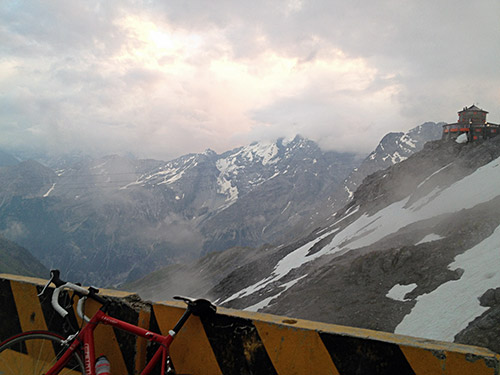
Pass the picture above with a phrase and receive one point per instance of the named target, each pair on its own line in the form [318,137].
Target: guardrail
[239,342]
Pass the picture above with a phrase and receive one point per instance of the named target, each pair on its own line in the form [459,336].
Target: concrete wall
[238,342]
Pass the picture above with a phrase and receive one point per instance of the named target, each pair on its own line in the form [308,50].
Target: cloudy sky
[164,78]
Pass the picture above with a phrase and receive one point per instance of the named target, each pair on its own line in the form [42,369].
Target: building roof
[472,108]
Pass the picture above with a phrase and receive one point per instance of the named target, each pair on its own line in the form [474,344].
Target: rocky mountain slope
[16,260]
[414,252]
[392,149]
[7,159]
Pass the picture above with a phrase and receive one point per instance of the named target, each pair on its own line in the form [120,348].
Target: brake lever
[46,286]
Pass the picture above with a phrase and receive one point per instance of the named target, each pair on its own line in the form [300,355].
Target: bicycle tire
[34,352]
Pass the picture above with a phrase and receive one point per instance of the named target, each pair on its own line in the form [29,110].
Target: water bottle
[102,366]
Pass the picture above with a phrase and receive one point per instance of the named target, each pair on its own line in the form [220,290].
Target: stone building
[471,121]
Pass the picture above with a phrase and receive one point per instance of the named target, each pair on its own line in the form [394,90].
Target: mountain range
[404,240]
[414,251]
[114,219]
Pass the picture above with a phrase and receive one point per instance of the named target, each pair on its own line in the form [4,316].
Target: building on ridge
[471,121]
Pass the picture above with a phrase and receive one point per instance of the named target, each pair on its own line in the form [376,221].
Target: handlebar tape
[55,296]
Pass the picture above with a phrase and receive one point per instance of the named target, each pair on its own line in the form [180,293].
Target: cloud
[14,230]
[161,79]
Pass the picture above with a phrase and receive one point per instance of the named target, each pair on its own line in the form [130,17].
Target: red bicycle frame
[85,339]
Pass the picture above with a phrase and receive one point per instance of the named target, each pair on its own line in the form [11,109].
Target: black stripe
[10,324]
[127,342]
[9,320]
[152,346]
[237,346]
[353,356]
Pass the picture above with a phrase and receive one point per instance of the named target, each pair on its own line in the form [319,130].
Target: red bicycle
[45,352]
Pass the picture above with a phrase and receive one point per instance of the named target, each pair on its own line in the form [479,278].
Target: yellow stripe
[31,317]
[29,364]
[295,351]
[191,351]
[28,306]
[425,362]
[458,364]
[24,279]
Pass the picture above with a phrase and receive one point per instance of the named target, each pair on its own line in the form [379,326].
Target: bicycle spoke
[35,353]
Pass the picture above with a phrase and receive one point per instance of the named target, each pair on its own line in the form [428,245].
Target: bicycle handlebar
[196,307]
[79,309]
[81,291]
[55,296]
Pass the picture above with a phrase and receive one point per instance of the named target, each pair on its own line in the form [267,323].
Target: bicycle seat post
[197,307]
[181,322]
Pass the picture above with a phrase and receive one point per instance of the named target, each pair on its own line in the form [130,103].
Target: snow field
[447,310]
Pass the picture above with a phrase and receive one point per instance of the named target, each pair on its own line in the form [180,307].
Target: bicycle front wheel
[34,353]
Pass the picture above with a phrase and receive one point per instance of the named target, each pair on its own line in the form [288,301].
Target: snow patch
[225,187]
[291,261]
[99,166]
[260,305]
[274,175]
[407,140]
[349,192]
[398,292]
[50,190]
[138,182]
[447,310]
[267,301]
[175,177]
[351,211]
[462,138]
[226,168]
[168,176]
[429,238]
[266,152]
[433,174]
[395,158]
[288,205]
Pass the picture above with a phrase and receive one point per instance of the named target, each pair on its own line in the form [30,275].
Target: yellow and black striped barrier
[22,310]
[239,342]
